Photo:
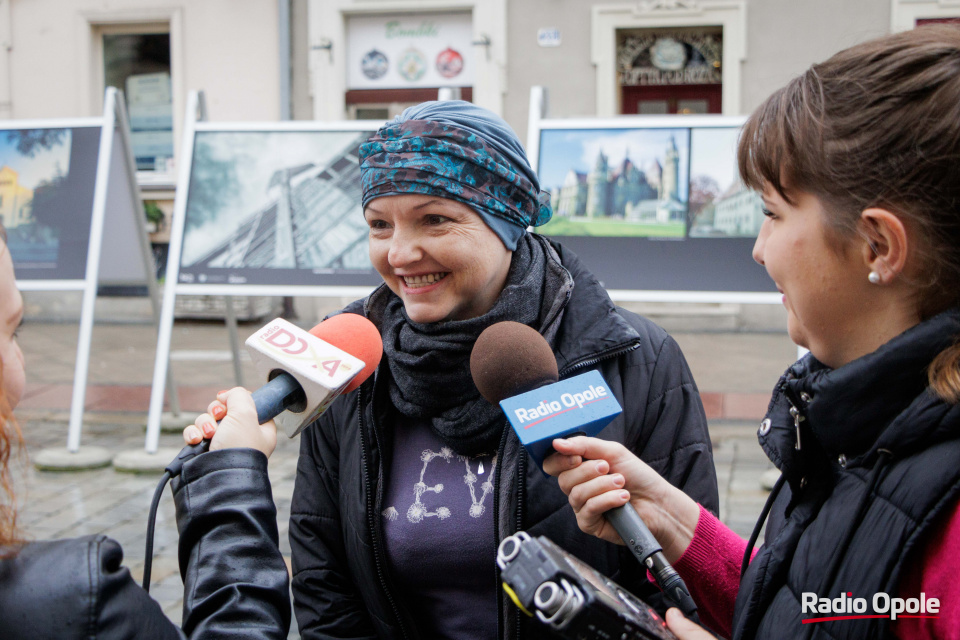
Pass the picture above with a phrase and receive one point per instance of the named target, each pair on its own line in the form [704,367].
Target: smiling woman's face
[437,255]
[828,298]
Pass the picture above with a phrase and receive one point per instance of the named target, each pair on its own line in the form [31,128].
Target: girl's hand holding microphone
[237,428]
[599,475]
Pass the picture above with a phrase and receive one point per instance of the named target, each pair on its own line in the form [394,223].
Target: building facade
[738,212]
[268,60]
[310,222]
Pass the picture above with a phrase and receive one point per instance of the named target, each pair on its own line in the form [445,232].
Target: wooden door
[671,99]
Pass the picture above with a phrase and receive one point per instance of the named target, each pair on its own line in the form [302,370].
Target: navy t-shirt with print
[438,526]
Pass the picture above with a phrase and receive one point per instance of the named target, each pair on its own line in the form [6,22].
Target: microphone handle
[277,396]
[645,548]
[271,400]
[634,532]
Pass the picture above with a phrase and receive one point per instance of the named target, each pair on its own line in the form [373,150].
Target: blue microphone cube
[583,404]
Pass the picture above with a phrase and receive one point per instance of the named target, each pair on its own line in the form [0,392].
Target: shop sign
[409,51]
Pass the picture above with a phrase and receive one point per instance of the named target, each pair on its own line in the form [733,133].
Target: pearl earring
[874,277]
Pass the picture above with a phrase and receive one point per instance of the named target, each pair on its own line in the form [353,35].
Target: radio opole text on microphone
[567,401]
[582,404]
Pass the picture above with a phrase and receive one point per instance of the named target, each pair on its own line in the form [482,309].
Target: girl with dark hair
[78,587]
[858,161]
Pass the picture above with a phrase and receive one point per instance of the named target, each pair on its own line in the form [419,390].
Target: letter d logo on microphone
[583,404]
[321,368]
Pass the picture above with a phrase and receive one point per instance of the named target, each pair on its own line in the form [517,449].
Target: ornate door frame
[606,19]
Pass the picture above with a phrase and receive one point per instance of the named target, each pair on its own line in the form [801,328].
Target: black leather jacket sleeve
[76,588]
[235,581]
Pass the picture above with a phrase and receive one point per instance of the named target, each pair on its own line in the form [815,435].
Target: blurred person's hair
[10,438]
[876,125]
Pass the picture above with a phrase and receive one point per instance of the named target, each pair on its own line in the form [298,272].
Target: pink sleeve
[711,568]
[935,575]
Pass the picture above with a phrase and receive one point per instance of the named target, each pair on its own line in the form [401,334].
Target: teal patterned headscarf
[457,150]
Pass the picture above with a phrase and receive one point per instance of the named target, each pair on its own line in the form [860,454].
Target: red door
[664,99]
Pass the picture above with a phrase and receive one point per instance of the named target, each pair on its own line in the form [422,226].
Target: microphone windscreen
[510,358]
[357,336]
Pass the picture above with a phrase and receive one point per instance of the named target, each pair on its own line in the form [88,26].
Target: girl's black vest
[871,461]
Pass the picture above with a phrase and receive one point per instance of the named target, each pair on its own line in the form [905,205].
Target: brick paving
[734,372]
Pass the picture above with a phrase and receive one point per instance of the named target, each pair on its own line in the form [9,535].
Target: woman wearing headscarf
[406,486]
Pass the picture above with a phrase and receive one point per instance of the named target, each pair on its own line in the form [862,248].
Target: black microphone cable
[271,400]
[173,469]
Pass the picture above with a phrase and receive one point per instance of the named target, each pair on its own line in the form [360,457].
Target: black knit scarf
[430,363]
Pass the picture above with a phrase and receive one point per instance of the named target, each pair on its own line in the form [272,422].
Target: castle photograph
[720,205]
[610,182]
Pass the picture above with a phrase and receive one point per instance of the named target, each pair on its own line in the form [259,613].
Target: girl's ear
[887,244]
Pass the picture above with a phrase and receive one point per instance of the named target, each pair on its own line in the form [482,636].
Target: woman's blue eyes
[768,213]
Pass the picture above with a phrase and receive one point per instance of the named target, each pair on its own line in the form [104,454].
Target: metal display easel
[117,206]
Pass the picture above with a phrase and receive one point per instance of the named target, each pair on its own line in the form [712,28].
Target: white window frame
[607,19]
[91,27]
[905,13]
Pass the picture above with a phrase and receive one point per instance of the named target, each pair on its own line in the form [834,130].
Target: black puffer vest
[878,460]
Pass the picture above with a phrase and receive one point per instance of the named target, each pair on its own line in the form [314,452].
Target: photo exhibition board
[275,207]
[74,218]
[653,204]
[47,180]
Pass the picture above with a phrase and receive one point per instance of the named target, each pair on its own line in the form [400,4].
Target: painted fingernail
[208,429]
[218,412]
[193,434]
